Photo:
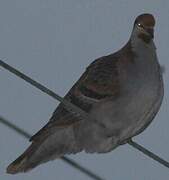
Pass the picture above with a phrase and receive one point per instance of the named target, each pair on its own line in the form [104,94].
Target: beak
[150,31]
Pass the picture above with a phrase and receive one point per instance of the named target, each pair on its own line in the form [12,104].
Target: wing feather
[99,81]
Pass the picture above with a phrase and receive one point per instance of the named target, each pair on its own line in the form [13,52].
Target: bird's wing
[99,81]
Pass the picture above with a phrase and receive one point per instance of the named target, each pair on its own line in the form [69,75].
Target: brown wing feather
[99,81]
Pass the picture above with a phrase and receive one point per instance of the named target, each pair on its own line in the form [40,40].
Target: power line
[71,107]
[148,153]
[65,159]
[68,105]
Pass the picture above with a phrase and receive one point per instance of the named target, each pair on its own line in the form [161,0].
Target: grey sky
[53,41]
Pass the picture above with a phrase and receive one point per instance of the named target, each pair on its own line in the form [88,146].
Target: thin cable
[68,105]
[76,109]
[148,153]
[65,159]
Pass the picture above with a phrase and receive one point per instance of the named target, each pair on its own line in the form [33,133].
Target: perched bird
[122,91]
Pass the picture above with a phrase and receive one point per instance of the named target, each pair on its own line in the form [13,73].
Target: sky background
[53,41]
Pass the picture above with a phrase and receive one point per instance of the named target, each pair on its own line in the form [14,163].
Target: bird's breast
[139,101]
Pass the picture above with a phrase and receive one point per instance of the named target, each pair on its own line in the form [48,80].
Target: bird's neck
[145,55]
[141,42]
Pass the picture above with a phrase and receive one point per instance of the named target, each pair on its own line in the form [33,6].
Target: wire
[148,153]
[65,159]
[76,109]
[68,105]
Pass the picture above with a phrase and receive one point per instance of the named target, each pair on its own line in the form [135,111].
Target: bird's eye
[140,25]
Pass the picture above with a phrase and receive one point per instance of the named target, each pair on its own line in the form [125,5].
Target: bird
[122,92]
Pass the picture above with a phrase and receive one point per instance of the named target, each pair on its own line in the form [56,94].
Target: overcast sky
[53,41]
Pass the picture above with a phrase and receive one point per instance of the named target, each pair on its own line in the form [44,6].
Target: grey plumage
[123,91]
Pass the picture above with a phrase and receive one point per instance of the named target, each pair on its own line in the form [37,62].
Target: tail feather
[22,164]
[45,149]
[18,165]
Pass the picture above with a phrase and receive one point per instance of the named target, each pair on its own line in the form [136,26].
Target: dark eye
[140,25]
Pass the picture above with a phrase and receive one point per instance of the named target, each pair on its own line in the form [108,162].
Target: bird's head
[144,27]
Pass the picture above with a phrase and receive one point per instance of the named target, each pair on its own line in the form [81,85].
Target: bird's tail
[47,147]
[23,163]
[18,165]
